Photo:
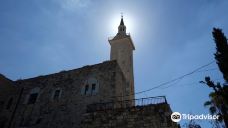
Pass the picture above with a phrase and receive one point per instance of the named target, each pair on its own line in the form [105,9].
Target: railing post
[165,100]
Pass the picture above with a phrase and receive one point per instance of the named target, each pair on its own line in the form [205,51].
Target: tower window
[9,104]
[86,89]
[32,98]
[56,94]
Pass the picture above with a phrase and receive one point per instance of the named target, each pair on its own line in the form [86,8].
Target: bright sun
[115,21]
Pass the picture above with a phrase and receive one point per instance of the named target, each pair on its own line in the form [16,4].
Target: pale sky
[172,38]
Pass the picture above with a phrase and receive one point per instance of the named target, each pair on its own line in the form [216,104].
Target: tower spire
[122,27]
[121,22]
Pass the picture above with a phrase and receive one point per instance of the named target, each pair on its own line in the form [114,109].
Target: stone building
[78,98]
[8,100]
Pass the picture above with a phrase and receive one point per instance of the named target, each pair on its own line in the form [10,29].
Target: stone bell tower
[122,48]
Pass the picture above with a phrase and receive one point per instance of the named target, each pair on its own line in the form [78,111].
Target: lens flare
[114,22]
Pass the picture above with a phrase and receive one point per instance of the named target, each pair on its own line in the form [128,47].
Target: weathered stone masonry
[150,116]
[67,110]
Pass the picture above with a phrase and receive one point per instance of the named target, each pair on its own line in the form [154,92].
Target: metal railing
[126,103]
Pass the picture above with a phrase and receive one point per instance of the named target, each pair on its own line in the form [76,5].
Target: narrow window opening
[86,89]
[93,88]
[32,98]
[56,94]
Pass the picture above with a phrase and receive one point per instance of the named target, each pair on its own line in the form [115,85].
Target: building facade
[61,100]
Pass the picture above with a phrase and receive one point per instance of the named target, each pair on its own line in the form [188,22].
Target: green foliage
[218,103]
[221,54]
[212,109]
[207,103]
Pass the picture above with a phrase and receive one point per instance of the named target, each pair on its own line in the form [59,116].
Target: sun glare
[115,21]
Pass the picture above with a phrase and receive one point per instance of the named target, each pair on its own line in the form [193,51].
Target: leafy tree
[221,54]
[218,103]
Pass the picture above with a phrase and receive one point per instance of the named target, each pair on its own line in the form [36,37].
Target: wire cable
[178,78]
[170,81]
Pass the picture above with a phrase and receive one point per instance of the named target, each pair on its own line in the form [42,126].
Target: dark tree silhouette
[221,54]
[218,103]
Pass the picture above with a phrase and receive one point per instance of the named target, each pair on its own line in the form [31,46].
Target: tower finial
[121,22]
[122,27]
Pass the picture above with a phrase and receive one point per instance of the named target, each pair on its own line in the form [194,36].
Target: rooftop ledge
[112,37]
[126,103]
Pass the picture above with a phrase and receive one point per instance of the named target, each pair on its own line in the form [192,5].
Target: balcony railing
[126,103]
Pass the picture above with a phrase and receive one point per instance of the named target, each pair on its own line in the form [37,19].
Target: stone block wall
[150,116]
[9,95]
[66,111]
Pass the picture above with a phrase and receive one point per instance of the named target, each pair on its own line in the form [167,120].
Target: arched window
[56,94]
[32,98]
[33,95]
[90,87]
